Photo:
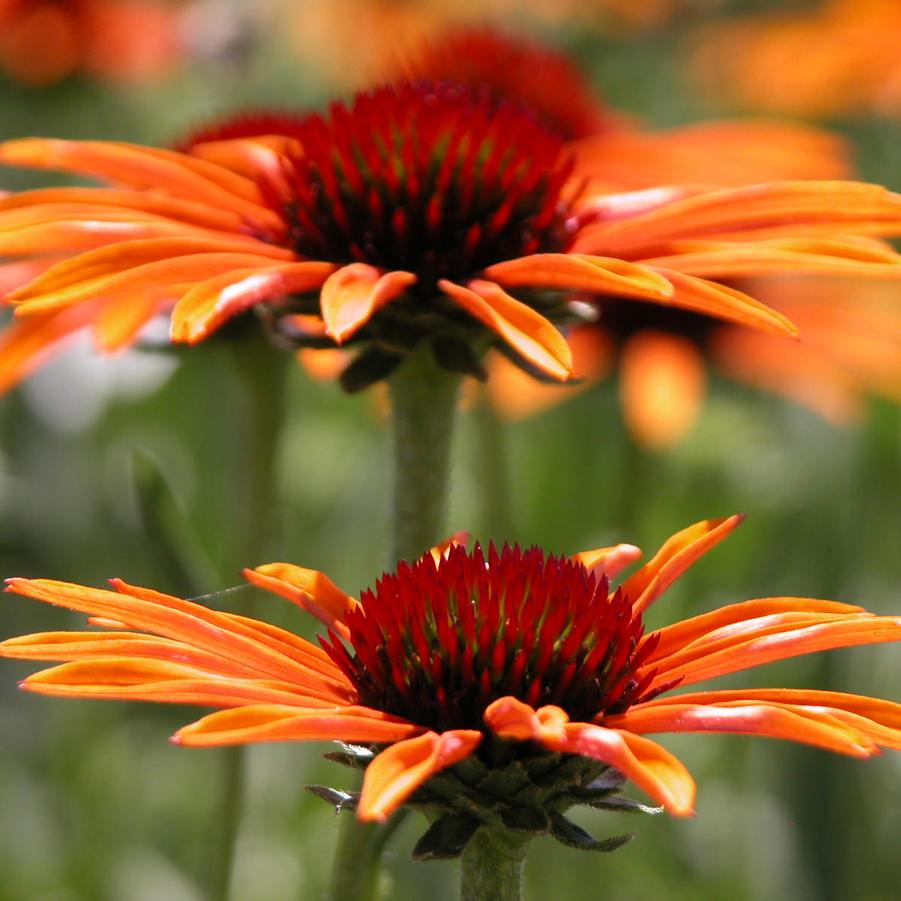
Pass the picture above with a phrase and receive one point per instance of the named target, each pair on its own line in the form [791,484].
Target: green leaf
[445,838]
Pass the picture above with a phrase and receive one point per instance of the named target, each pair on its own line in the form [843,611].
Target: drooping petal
[118,322]
[581,272]
[526,331]
[650,767]
[211,303]
[283,723]
[661,387]
[677,554]
[399,770]
[354,293]
[310,589]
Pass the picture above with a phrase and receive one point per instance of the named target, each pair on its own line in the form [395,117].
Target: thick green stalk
[423,408]
[493,467]
[261,371]
[492,865]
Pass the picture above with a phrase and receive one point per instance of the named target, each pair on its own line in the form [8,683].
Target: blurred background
[136,466]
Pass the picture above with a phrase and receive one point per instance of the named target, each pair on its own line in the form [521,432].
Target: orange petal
[118,321]
[742,655]
[581,272]
[711,299]
[455,540]
[399,770]
[211,303]
[284,723]
[677,554]
[310,589]
[608,561]
[352,295]
[770,720]
[673,638]
[526,331]
[661,387]
[649,766]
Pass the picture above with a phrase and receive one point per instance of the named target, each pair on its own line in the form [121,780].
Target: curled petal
[608,561]
[208,305]
[310,589]
[677,554]
[399,770]
[255,723]
[650,767]
[352,295]
[527,332]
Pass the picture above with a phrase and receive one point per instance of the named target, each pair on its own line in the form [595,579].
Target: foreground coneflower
[512,669]
[419,213]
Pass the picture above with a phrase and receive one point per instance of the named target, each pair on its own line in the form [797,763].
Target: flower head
[419,212]
[463,663]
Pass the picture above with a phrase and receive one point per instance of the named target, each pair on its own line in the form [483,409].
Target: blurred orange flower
[407,216]
[44,41]
[462,655]
[837,59]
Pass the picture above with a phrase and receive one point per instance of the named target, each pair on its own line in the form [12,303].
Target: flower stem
[492,865]
[423,411]
[261,371]
[493,467]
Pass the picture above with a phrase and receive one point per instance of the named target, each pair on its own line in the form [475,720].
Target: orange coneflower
[493,658]
[44,41]
[838,58]
[413,214]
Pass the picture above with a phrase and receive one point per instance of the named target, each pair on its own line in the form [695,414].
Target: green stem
[261,371]
[492,866]
[423,411]
[493,466]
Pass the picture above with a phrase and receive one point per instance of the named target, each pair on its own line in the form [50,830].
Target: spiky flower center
[429,178]
[437,643]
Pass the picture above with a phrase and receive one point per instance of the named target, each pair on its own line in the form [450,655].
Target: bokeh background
[137,467]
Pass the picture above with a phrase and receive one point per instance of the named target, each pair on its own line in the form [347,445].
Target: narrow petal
[649,766]
[211,303]
[284,723]
[678,553]
[661,386]
[608,562]
[699,295]
[771,720]
[526,331]
[352,295]
[310,589]
[581,272]
[794,642]
[399,770]
[440,550]
[118,322]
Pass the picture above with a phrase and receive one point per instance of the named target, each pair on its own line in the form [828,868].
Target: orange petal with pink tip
[255,723]
[678,553]
[661,387]
[211,303]
[581,272]
[531,335]
[310,589]
[802,725]
[650,767]
[746,653]
[354,293]
[721,302]
[129,679]
[609,561]
[399,770]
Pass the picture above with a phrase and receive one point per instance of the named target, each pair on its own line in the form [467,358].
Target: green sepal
[445,838]
[340,800]
[457,355]
[621,805]
[568,833]
[525,819]
[371,366]
[355,756]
